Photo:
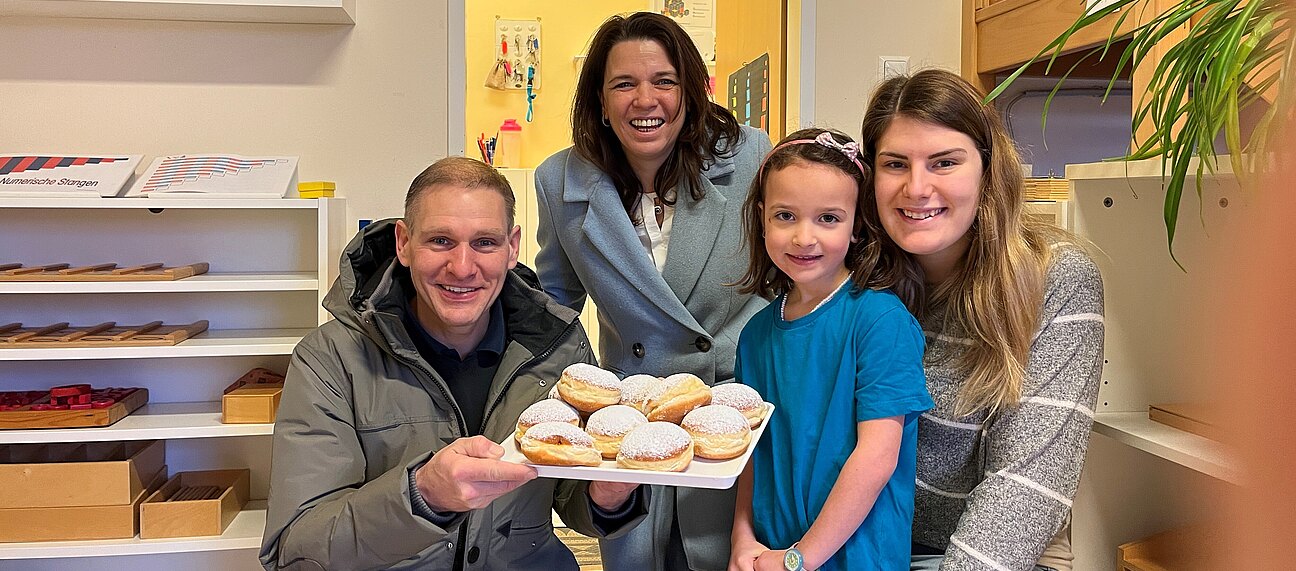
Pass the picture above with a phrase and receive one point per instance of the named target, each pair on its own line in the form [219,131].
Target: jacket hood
[366,260]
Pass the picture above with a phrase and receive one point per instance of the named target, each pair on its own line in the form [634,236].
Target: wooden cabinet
[271,263]
[1000,35]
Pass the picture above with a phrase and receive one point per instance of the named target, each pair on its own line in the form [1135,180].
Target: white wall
[364,106]
[850,35]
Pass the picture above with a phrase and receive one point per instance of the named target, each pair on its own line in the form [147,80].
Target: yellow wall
[566,28]
[745,30]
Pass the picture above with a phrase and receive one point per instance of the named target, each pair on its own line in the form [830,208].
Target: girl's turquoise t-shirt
[857,358]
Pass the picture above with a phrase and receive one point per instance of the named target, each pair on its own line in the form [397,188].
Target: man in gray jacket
[384,448]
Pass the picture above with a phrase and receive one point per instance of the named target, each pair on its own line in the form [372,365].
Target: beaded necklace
[783,302]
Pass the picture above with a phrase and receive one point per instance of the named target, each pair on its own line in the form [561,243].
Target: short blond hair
[462,172]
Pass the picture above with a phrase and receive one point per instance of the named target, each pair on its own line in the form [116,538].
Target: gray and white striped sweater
[992,494]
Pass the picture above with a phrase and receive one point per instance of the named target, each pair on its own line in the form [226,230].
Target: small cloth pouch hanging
[498,76]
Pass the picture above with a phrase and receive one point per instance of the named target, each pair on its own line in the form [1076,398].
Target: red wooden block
[70,390]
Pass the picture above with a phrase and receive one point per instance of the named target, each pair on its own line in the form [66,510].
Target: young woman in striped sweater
[1012,312]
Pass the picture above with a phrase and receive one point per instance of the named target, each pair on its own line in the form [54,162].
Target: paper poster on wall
[697,17]
[53,174]
[218,176]
[695,13]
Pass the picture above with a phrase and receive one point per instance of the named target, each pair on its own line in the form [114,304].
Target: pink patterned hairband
[851,149]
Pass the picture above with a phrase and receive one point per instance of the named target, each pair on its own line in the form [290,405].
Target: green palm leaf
[1199,85]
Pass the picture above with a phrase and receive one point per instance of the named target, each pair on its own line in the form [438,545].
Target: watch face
[792,560]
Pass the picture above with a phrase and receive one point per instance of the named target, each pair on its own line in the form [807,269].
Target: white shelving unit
[209,282]
[1143,477]
[158,421]
[210,343]
[271,263]
[244,532]
[277,11]
[1183,448]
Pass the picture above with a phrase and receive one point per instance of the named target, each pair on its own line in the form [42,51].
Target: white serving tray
[701,473]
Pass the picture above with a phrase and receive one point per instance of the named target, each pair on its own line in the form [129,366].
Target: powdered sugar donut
[547,410]
[559,444]
[719,432]
[609,425]
[589,388]
[636,390]
[743,398]
[675,396]
[658,446]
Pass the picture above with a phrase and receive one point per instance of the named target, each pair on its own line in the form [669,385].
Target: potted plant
[1231,53]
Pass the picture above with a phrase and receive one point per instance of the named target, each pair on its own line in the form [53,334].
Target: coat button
[638,350]
[703,344]
[473,554]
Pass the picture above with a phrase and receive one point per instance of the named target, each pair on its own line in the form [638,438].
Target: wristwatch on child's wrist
[792,559]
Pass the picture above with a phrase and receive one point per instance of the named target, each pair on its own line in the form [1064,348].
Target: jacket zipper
[553,346]
[459,562]
[432,380]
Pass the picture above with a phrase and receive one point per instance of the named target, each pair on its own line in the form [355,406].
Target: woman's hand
[743,554]
[770,561]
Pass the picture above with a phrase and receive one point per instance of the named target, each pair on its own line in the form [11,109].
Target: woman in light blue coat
[643,215]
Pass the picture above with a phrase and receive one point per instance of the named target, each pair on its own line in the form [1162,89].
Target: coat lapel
[694,232]
[609,231]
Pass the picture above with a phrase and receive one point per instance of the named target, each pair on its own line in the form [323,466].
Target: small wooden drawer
[1183,549]
[254,398]
[194,503]
[77,474]
[74,523]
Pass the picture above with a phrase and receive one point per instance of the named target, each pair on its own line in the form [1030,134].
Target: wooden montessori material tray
[38,409]
[106,272]
[107,334]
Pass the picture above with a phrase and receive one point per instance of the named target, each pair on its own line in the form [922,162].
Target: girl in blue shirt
[831,484]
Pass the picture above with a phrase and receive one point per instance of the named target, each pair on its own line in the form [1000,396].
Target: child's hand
[743,555]
[770,561]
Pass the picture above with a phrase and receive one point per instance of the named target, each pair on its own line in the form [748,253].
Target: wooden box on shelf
[194,503]
[116,404]
[1195,417]
[78,474]
[76,523]
[254,398]
[1182,549]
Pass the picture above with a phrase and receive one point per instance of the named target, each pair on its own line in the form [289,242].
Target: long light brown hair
[708,130]
[996,292]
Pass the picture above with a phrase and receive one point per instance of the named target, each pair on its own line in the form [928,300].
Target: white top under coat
[655,238]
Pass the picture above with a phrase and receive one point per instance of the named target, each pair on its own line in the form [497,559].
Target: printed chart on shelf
[35,174]
[218,176]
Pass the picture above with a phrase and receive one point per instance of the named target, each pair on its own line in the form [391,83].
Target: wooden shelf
[243,533]
[157,421]
[211,343]
[1146,169]
[205,203]
[1186,449]
[275,12]
[210,282]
